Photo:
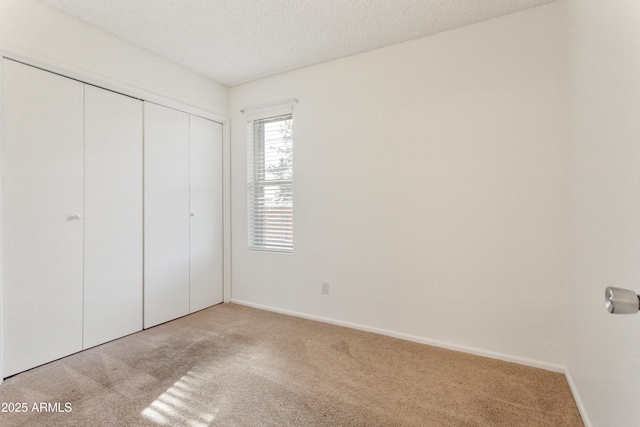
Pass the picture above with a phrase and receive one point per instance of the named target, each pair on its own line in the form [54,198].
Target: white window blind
[270,167]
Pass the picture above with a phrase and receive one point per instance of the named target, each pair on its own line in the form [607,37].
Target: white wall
[34,30]
[430,190]
[604,75]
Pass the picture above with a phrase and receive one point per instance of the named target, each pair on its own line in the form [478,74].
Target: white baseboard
[576,397]
[421,340]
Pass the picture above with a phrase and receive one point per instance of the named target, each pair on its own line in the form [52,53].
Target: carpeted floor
[231,365]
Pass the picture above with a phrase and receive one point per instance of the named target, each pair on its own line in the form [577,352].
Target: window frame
[258,238]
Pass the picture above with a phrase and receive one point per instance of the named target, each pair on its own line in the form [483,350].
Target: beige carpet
[231,365]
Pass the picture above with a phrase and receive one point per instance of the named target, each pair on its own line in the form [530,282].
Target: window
[270,193]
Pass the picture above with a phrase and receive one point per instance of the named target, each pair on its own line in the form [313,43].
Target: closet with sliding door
[111,215]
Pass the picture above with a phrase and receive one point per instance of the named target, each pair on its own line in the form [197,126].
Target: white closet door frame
[102,81]
[206,232]
[42,168]
[113,216]
[166,214]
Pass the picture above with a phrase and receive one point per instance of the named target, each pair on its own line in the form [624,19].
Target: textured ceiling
[235,41]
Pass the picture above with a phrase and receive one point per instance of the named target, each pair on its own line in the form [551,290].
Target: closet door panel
[113,216]
[42,164]
[206,210]
[166,214]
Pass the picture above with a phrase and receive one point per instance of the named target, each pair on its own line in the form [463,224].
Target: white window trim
[262,112]
[265,110]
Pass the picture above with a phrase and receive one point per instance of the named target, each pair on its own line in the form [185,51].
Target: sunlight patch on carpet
[178,405]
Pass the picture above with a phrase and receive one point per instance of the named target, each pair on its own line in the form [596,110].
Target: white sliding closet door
[113,216]
[206,213]
[166,214]
[42,225]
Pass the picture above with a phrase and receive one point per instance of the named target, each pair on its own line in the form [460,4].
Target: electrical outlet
[325,287]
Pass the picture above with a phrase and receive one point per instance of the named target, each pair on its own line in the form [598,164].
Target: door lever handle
[621,301]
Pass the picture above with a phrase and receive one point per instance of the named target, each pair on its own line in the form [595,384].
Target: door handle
[75,217]
[621,301]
